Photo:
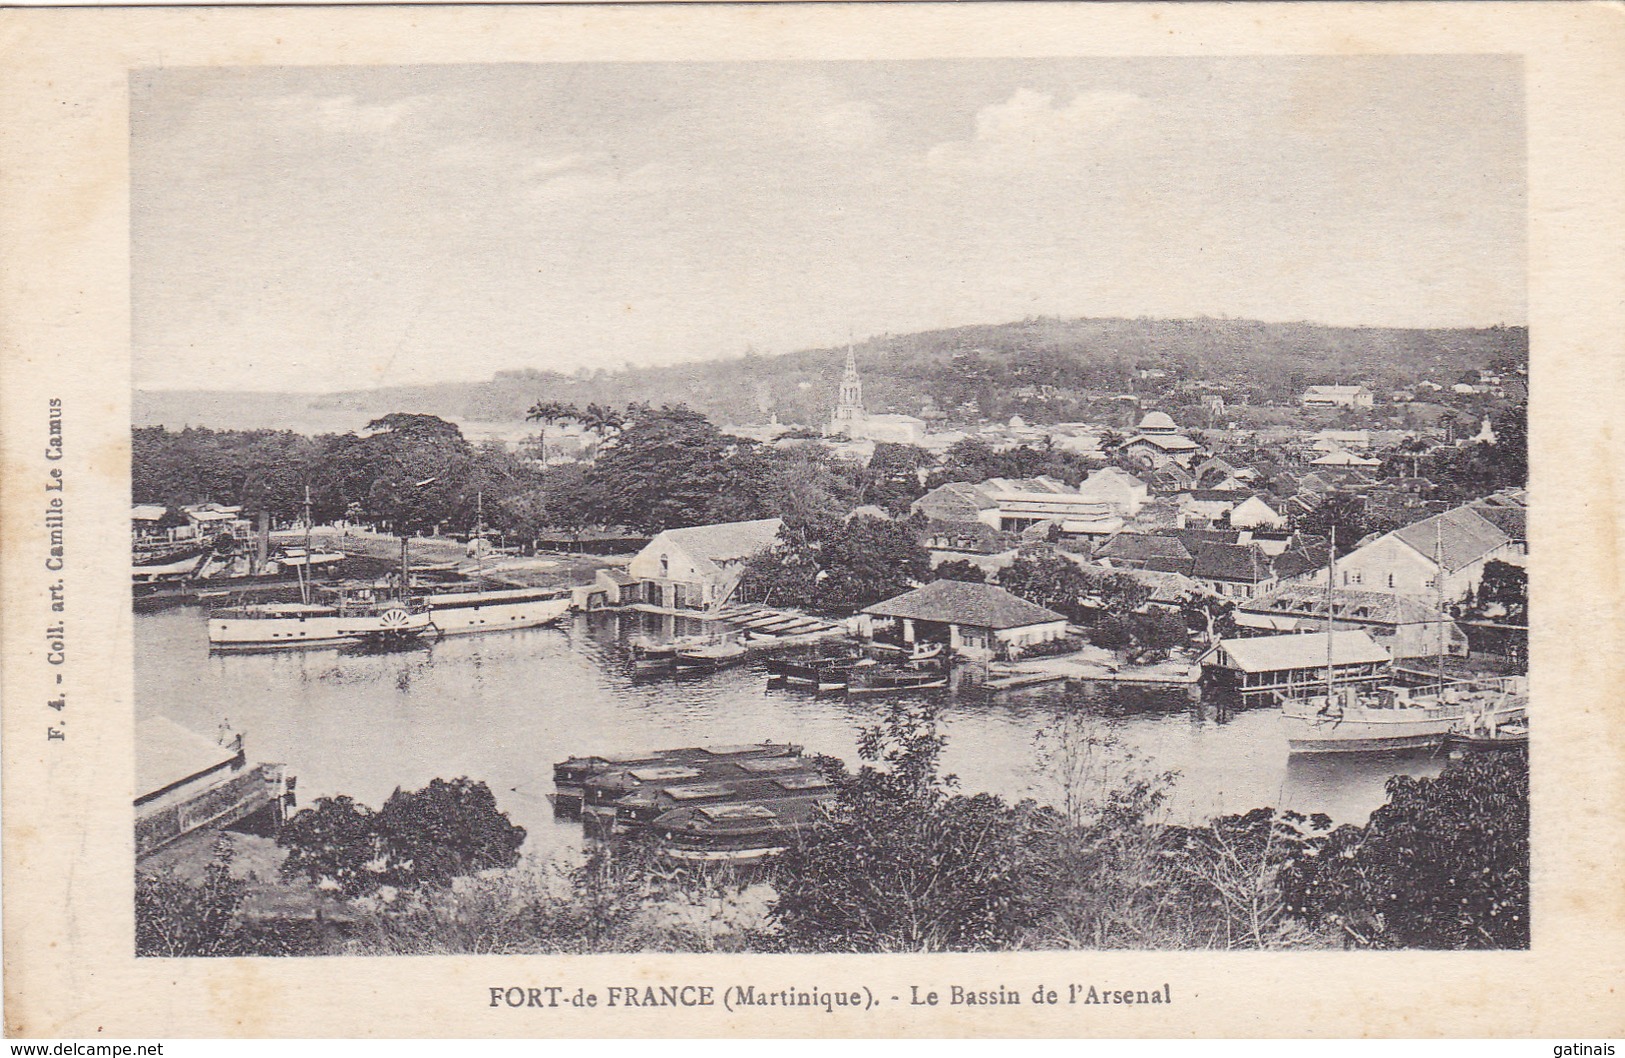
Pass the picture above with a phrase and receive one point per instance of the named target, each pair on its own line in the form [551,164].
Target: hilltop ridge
[1040,366]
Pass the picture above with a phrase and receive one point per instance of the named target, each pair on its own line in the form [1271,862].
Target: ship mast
[1331,580]
[304,570]
[479,539]
[1438,593]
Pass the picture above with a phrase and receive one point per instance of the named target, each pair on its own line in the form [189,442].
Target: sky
[328,228]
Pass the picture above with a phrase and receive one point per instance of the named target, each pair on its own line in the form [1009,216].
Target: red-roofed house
[974,619]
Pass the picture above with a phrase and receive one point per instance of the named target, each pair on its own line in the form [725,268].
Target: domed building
[1158,442]
[1157,422]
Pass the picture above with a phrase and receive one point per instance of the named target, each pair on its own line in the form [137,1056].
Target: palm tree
[601,419]
[546,413]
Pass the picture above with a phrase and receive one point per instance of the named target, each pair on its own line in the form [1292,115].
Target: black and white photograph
[975,505]
[811,521]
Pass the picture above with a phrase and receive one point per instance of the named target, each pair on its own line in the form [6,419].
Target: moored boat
[505,609]
[570,776]
[874,683]
[600,792]
[640,808]
[1358,720]
[1505,737]
[347,619]
[711,657]
[738,831]
[822,671]
[649,652]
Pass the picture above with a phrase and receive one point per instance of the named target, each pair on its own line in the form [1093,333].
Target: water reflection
[503,707]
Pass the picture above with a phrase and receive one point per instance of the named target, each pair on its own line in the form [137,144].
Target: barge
[640,808]
[570,776]
[738,831]
[602,791]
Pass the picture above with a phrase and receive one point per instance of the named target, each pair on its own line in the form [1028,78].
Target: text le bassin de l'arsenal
[55,559]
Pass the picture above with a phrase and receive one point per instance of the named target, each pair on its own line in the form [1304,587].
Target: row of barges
[702,803]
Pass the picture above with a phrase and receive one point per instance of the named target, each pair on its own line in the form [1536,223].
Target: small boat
[651,653]
[821,671]
[738,831]
[711,657]
[875,683]
[1507,736]
[925,651]
[570,776]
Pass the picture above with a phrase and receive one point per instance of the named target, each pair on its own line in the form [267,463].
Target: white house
[1254,513]
[1117,489]
[1337,397]
[1072,513]
[1344,459]
[696,568]
[1407,560]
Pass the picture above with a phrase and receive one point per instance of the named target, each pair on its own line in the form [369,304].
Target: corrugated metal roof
[1304,651]
[1376,607]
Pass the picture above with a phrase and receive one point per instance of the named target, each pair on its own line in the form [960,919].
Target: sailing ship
[1354,719]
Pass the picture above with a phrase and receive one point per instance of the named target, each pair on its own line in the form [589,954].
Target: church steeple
[849,405]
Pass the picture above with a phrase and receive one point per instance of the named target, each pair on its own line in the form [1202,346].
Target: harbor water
[503,707]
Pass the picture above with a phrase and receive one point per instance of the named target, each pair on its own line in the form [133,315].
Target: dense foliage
[418,839]
[837,565]
[176,917]
[656,468]
[975,460]
[903,862]
[1444,864]
[409,473]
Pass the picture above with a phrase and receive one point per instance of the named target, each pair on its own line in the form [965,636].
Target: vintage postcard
[813,520]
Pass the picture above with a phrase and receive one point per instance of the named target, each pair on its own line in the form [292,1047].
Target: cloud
[1030,128]
[342,114]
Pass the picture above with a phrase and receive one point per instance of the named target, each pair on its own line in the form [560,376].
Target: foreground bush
[420,838]
[1444,864]
[902,862]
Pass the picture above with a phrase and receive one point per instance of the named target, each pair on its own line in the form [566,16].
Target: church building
[852,421]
